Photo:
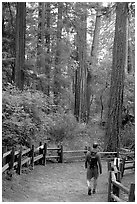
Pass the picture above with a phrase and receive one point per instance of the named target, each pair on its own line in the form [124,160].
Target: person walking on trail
[93,166]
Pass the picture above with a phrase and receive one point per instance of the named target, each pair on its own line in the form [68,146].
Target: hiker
[93,166]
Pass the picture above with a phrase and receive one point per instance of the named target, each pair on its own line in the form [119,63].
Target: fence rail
[6,154]
[21,157]
[26,151]
[114,183]
[41,154]
[5,167]
[114,187]
[16,159]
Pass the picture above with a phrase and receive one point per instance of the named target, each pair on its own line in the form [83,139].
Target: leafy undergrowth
[29,117]
[85,136]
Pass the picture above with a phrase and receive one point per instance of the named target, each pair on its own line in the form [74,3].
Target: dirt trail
[55,183]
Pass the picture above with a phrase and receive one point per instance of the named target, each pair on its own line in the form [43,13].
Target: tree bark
[48,60]
[20,44]
[3,18]
[130,63]
[43,38]
[94,47]
[57,71]
[80,110]
[39,38]
[77,94]
[83,66]
[93,59]
[117,78]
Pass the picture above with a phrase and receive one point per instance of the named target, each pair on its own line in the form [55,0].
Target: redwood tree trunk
[80,110]
[117,78]
[20,44]
[93,60]
[77,93]
[57,71]
[39,38]
[83,66]
[43,53]
[48,60]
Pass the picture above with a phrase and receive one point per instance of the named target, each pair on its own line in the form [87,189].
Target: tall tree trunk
[77,77]
[130,63]
[93,59]
[48,60]
[77,93]
[117,78]
[89,96]
[83,67]
[39,38]
[81,72]
[20,44]
[57,71]
[94,47]
[43,38]
[3,18]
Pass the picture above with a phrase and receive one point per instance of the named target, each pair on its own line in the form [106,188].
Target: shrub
[63,126]
[24,116]
[127,137]
[30,117]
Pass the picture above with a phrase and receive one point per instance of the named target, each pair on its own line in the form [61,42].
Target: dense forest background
[58,62]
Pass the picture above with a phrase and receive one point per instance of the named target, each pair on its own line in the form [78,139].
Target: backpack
[93,160]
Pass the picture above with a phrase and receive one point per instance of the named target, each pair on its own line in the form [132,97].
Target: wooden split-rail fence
[114,181]
[15,159]
[114,187]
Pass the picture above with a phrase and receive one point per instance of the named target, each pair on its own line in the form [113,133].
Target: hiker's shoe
[94,191]
[89,191]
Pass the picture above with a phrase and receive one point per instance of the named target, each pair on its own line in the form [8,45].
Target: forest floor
[57,182]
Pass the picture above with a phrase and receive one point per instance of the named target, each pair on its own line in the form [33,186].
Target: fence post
[117,152]
[19,161]
[109,165]
[115,188]
[4,149]
[86,148]
[40,152]
[12,158]
[109,186]
[119,176]
[32,156]
[117,163]
[131,197]
[44,154]
[60,153]
[123,161]
[121,168]
[134,164]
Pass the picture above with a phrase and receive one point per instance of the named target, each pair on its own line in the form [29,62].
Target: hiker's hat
[95,144]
